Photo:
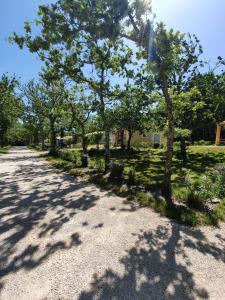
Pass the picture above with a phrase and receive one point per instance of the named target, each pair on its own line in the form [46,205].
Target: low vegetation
[4,150]
[138,175]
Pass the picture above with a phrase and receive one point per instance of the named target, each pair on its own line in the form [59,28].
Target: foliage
[4,150]
[131,176]
[95,138]
[10,106]
[70,155]
[19,135]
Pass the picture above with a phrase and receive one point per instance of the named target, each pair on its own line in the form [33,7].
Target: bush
[218,181]
[193,196]
[100,164]
[71,156]
[208,186]
[220,211]
[131,176]
[203,143]
[117,170]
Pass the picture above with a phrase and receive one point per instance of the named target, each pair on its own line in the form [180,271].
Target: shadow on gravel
[152,270]
[21,211]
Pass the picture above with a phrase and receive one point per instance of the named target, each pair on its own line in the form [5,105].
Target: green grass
[63,165]
[145,167]
[4,150]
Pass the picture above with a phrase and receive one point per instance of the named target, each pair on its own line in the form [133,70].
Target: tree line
[107,64]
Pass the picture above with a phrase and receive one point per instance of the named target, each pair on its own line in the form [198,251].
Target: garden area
[197,184]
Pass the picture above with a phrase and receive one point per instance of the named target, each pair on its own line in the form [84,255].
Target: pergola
[219,127]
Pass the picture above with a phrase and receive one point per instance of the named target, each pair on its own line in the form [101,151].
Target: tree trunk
[36,137]
[107,149]
[1,141]
[129,139]
[167,191]
[42,140]
[122,140]
[52,137]
[84,147]
[183,151]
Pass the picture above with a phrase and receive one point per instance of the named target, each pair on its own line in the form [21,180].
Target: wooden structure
[219,140]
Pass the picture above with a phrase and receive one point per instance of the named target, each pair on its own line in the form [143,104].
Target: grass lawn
[4,150]
[147,165]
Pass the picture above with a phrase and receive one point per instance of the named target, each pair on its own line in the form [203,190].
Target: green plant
[205,187]
[193,195]
[131,176]
[71,156]
[100,164]
[220,210]
[218,178]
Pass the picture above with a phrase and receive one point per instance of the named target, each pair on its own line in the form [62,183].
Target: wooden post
[218,133]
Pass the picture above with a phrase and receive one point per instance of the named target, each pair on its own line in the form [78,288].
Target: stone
[216,200]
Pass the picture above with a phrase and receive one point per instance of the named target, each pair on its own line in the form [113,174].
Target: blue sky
[205,18]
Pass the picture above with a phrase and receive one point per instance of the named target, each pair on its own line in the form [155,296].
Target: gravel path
[64,239]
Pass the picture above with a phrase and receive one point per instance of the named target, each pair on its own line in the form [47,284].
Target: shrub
[131,176]
[71,156]
[100,164]
[220,211]
[143,198]
[218,179]
[117,170]
[193,194]
[203,143]
[189,218]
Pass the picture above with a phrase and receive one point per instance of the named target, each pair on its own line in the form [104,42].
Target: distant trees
[35,112]
[10,106]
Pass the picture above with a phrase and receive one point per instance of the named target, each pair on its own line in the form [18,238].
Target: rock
[215,200]
[124,188]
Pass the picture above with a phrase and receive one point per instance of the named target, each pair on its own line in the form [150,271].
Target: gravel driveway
[64,239]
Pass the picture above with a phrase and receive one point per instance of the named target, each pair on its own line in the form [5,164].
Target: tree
[54,102]
[78,33]
[35,110]
[81,106]
[10,106]
[130,114]
[187,110]
[171,56]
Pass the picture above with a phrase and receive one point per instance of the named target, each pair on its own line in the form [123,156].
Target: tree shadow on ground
[43,208]
[156,267]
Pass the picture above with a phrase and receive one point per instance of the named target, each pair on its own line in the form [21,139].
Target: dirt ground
[65,239]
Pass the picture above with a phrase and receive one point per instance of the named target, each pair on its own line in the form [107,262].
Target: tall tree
[81,106]
[35,110]
[56,94]
[171,56]
[10,106]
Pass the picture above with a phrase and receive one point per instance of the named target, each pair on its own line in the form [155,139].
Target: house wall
[137,138]
[150,137]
